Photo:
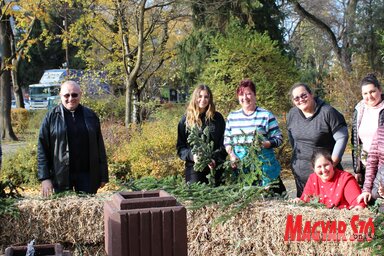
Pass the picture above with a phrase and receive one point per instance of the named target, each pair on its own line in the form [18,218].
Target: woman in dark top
[201,113]
[312,124]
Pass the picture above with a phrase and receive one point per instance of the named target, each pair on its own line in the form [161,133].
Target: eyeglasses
[303,96]
[73,95]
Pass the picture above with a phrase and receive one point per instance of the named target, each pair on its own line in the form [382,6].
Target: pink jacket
[375,159]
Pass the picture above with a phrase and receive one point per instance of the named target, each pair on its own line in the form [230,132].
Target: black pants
[279,188]
[80,183]
[300,184]
[192,176]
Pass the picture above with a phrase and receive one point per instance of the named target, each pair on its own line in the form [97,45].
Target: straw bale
[257,230]
[260,229]
[65,220]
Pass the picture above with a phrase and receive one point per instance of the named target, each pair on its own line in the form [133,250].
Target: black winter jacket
[216,131]
[53,151]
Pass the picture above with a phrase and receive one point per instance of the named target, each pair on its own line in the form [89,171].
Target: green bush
[34,123]
[25,123]
[106,107]
[242,53]
[150,149]
[20,168]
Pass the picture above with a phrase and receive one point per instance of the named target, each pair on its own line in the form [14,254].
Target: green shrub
[106,107]
[242,53]
[36,117]
[150,149]
[20,168]
[34,123]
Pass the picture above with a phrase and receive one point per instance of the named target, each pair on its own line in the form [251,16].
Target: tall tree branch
[319,23]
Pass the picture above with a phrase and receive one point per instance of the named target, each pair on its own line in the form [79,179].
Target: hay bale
[65,220]
[257,230]
[260,230]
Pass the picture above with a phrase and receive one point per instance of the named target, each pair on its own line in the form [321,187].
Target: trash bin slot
[142,195]
[147,203]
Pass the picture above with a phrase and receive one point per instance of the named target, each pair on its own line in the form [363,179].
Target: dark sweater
[308,134]
[78,141]
[216,134]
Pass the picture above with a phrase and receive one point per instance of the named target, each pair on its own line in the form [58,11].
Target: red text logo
[330,230]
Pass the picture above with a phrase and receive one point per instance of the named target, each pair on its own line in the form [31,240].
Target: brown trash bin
[40,250]
[145,223]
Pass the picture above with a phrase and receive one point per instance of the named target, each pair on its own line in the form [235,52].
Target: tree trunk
[133,72]
[348,35]
[5,81]
[19,98]
[18,93]
[128,102]
[139,108]
[136,104]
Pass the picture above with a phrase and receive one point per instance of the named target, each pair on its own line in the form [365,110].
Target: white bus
[39,94]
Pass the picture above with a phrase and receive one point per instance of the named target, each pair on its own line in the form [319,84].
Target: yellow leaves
[19,117]
[151,149]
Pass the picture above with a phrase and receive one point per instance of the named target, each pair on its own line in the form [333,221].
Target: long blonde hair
[192,112]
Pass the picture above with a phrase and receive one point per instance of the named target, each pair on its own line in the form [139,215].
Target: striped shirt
[242,128]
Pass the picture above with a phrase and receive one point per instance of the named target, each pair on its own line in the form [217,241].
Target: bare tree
[134,45]
[339,32]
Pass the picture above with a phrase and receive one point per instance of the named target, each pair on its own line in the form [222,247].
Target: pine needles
[231,198]
[377,243]
[241,184]
[8,194]
[202,147]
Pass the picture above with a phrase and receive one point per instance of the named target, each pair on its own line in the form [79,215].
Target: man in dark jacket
[71,152]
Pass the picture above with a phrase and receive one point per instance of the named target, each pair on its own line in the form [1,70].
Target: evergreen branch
[202,147]
[231,199]
[249,168]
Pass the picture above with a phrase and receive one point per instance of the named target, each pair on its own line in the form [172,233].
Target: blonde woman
[201,112]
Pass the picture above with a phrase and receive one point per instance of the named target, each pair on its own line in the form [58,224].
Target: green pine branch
[202,147]
[249,168]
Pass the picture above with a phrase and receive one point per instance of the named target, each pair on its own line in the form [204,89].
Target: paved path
[11,147]
[347,162]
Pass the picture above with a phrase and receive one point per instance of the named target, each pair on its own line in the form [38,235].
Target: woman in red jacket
[333,187]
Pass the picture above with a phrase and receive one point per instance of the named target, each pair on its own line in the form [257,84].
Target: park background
[147,49]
